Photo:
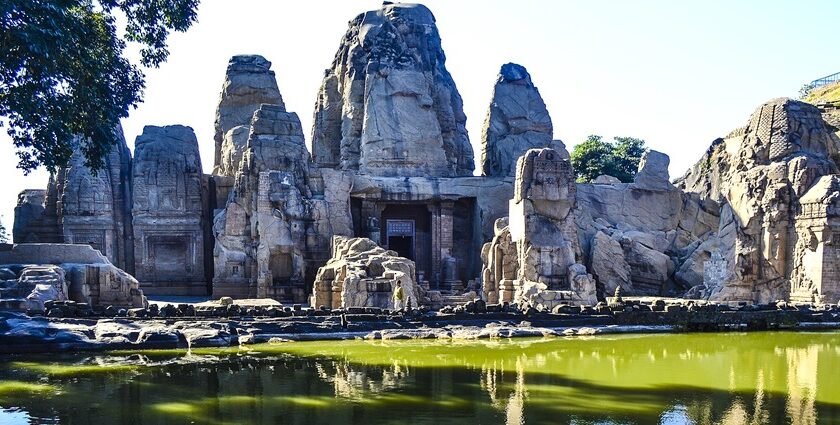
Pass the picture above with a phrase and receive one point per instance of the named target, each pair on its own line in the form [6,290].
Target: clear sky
[675,73]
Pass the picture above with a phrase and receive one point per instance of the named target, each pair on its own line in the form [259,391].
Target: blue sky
[675,73]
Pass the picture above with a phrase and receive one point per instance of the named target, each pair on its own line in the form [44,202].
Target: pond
[733,378]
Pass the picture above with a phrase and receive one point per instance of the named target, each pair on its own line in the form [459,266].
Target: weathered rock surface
[29,208]
[249,82]
[363,274]
[61,272]
[649,228]
[266,210]
[167,209]
[653,171]
[760,173]
[517,121]
[388,106]
[84,208]
[541,227]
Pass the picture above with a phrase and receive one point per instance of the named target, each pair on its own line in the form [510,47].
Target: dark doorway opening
[404,245]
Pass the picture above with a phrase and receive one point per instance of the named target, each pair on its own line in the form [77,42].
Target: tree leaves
[64,82]
[619,158]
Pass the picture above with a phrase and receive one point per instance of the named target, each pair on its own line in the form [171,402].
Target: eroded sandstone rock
[363,274]
[249,82]
[517,120]
[388,106]
[760,173]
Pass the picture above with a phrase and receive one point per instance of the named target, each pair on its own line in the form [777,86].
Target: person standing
[399,296]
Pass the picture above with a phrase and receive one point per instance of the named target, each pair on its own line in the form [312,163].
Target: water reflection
[670,379]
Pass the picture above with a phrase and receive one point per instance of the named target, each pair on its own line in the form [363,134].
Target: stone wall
[168,211]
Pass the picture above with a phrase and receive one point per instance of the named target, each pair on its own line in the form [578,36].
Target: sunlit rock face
[517,120]
[387,105]
[249,82]
[538,245]
[363,274]
[759,173]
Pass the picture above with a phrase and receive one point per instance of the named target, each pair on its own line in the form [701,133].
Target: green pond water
[735,378]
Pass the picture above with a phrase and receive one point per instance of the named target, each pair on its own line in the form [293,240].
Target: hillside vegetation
[824,94]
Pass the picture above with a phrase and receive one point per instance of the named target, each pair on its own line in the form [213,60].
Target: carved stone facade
[168,211]
[541,227]
[759,175]
[816,276]
[387,105]
[391,163]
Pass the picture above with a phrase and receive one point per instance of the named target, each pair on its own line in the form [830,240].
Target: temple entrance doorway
[406,229]
[401,237]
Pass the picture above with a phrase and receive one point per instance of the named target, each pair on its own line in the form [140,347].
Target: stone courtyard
[388,190]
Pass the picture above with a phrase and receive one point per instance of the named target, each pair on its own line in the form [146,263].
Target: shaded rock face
[517,121]
[759,174]
[29,208]
[363,274]
[249,82]
[388,106]
[95,209]
[168,205]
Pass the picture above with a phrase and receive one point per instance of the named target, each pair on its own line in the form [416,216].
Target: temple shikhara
[388,188]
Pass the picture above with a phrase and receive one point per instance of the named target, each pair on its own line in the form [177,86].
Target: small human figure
[399,296]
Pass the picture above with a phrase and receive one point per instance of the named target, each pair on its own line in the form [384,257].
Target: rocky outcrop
[541,226]
[33,274]
[29,209]
[653,172]
[363,274]
[759,174]
[168,205]
[249,82]
[517,120]
[647,237]
[387,105]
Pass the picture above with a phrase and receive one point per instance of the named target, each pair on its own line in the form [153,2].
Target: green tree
[63,72]
[627,152]
[619,158]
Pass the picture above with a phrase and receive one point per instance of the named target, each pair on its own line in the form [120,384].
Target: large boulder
[387,105]
[608,266]
[517,120]
[363,274]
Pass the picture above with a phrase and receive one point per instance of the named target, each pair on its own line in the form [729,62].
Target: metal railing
[824,81]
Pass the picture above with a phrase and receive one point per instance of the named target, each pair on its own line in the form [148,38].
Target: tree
[63,73]
[619,158]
